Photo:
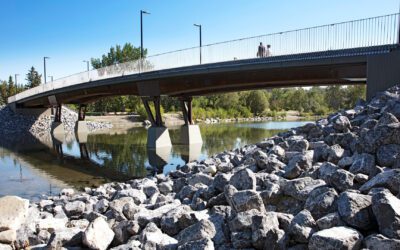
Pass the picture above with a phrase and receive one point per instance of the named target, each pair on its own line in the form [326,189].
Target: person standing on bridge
[268,51]
[261,50]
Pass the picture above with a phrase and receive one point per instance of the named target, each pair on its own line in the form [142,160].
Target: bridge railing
[375,31]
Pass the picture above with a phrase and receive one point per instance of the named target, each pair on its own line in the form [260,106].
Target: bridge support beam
[157,134]
[81,129]
[190,133]
[382,72]
[57,127]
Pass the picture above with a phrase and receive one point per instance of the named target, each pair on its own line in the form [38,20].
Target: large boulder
[301,188]
[98,235]
[386,208]
[244,200]
[13,212]
[298,163]
[336,238]
[74,208]
[244,179]
[201,230]
[152,238]
[389,155]
[364,164]
[178,219]
[380,242]
[355,209]
[341,123]
[262,226]
[302,227]
[321,201]
[389,179]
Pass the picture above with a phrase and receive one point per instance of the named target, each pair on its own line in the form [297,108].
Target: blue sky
[70,31]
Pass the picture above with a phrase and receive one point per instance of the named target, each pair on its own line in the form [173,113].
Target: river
[31,168]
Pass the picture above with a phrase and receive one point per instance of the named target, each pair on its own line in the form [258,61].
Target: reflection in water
[47,164]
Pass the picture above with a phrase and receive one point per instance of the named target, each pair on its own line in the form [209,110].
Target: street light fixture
[44,63]
[141,32]
[199,26]
[87,64]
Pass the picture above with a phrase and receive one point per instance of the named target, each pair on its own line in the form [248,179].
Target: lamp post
[199,26]
[87,65]
[51,78]
[44,63]
[141,33]
[15,79]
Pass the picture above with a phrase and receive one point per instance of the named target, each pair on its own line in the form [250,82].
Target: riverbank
[326,185]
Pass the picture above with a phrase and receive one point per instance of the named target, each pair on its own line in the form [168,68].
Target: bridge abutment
[190,133]
[157,134]
[382,72]
[57,127]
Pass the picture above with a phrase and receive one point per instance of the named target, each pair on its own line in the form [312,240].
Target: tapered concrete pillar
[157,134]
[190,134]
[158,137]
[81,129]
[57,131]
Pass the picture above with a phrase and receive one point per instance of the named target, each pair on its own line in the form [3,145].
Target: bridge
[365,51]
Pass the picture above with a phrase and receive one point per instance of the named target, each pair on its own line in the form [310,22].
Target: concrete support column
[81,129]
[382,72]
[157,134]
[57,128]
[190,133]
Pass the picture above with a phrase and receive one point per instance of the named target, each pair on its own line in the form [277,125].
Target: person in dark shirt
[261,50]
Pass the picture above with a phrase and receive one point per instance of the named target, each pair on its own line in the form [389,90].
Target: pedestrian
[261,50]
[268,51]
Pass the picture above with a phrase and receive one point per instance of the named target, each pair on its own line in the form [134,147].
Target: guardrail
[375,31]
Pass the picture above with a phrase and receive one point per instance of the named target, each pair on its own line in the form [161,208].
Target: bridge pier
[81,129]
[57,127]
[190,133]
[157,134]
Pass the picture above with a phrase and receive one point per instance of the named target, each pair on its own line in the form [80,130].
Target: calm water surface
[31,167]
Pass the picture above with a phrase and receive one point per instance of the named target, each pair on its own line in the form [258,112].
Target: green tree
[11,87]
[3,92]
[33,78]
[257,101]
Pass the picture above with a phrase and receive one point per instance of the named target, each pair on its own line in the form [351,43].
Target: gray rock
[336,238]
[243,200]
[152,238]
[364,164]
[13,212]
[386,208]
[144,216]
[301,188]
[284,220]
[201,230]
[74,208]
[200,178]
[262,226]
[121,232]
[66,237]
[220,181]
[379,242]
[389,179]
[178,219]
[321,201]
[269,163]
[244,179]
[342,124]
[336,177]
[98,235]
[297,164]
[130,194]
[8,236]
[302,227]
[130,245]
[335,153]
[241,240]
[298,145]
[203,244]
[355,209]
[67,192]
[165,187]
[388,155]
[330,220]
[345,161]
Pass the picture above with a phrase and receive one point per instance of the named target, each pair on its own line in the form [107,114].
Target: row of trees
[10,88]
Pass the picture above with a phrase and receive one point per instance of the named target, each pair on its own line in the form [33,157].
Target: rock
[301,188]
[101,206]
[342,124]
[131,245]
[129,210]
[6,247]
[203,244]
[388,155]
[67,192]
[336,238]
[121,232]
[389,179]
[302,227]
[98,235]
[244,179]
[241,240]
[244,200]
[178,219]
[65,237]
[144,216]
[220,181]
[269,163]
[201,230]
[284,220]
[338,178]
[261,226]
[364,164]
[298,145]
[330,220]
[152,238]
[126,195]
[200,178]
[380,242]
[8,236]
[355,209]
[165,187]
[321,201]
[298,164]
[74,208]
[13,212]
[335,153]
[386,208]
